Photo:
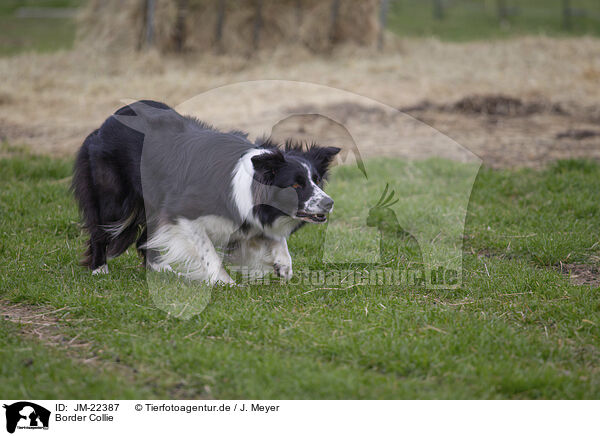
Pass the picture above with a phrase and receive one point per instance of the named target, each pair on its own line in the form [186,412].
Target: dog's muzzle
[317,214]
[283,271]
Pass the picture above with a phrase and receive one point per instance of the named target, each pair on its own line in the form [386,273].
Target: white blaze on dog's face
[318,203]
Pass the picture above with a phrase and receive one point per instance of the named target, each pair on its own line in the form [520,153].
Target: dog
[191,196]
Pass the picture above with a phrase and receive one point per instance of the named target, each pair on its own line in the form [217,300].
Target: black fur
[107,185]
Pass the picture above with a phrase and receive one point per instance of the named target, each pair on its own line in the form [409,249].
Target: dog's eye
[296,186]
[316,179]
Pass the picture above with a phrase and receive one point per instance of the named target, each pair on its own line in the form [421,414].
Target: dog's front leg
[186,246]
[261,255]
[282,261]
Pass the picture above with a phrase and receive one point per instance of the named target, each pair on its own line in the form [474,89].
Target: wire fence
[481,19]
[565,10]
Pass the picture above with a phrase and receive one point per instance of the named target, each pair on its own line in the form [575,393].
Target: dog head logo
[26,415]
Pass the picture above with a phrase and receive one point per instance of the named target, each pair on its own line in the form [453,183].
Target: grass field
[35,34]
[516,328]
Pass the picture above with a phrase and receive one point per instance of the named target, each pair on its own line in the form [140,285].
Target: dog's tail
[82,187]
[124,233]
[118,235]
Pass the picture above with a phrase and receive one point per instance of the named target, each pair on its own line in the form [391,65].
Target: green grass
[9,7]
[19,35]
[515,328]
[35,34]
[465,20]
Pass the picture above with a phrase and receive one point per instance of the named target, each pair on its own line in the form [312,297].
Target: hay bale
[111,24]
[229,26]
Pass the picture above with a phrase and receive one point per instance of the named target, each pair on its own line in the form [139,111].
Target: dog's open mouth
[311,217]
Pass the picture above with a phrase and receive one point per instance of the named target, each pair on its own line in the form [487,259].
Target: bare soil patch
[502,105]
[492,105]
[43,324]
[578,134]
[507,131]
[581,274]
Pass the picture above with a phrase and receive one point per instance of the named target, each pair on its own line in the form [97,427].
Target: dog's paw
[103,269]
[223,279]
[160,267]
[226,284]
[283,271]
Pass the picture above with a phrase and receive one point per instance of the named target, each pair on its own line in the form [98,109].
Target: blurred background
[46,25]
[516,82]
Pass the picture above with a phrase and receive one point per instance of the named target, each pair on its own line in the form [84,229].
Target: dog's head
[300,172]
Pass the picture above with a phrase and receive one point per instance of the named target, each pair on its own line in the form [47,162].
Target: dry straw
[228,26]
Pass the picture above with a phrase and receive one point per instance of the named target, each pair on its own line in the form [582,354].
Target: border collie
[189,195]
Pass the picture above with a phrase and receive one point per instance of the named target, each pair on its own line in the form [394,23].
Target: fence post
[438,9]
[180,28]
[299,18]
[150,22]
[257,24]
[335,13]
[219,26]
[502,10]
[298,8]
[383,11]
[567,13]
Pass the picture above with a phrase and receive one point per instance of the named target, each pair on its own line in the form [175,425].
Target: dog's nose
[326,204]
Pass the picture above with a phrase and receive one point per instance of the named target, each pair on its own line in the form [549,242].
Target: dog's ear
[267,164]
[321,157]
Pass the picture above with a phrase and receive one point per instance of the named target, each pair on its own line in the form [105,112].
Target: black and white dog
[188,194]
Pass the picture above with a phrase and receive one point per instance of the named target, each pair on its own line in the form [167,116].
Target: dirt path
[46,325]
